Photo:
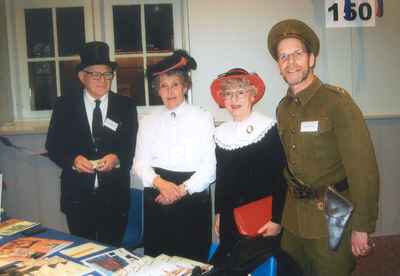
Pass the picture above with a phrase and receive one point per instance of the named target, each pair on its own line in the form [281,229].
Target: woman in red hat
[175,158]
[250,161]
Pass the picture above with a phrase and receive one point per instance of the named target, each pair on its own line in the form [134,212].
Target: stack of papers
[164,265]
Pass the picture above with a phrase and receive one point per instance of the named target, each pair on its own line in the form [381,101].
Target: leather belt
[302,191]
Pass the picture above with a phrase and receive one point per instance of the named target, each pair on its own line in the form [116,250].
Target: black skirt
[180,229]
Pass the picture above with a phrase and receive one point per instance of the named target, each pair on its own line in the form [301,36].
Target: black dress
[250,161]
[186,224]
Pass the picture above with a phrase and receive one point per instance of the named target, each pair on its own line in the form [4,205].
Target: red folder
[250,217]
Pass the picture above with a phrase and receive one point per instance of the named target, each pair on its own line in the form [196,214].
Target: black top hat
[95,53]
[179,60]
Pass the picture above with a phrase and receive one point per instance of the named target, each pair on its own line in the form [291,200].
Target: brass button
[293,147]
[293,131]
[320,205]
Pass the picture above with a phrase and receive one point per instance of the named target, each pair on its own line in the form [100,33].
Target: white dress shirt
[90,104]
[178,140]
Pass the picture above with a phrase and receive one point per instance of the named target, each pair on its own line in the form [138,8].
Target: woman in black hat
[250,161]
[176,161]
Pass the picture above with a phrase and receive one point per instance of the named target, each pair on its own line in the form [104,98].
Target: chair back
[133,236]
[268,268]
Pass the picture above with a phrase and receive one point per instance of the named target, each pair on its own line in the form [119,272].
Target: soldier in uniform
[327,143]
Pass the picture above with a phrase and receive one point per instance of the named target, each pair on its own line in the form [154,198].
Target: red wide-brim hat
[237,73]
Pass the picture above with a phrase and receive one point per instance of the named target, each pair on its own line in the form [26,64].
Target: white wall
[226,33]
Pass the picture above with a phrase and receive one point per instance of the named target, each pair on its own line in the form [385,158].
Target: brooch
[249,129]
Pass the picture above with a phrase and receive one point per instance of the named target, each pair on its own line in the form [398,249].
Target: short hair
[238,83]
[182,74]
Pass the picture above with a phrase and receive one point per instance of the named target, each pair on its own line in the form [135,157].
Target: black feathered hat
[95,53]
[179,60]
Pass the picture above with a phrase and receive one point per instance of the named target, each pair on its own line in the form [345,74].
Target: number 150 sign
[350,13]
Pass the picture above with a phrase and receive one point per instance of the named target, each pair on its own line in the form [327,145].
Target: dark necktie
[97,123]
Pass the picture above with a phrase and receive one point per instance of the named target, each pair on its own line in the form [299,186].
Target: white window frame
[22,104]
[98,26]
[179,27]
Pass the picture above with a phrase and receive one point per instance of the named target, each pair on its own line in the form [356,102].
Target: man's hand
[83,165]
[359,243]
[107,163]
[270,229]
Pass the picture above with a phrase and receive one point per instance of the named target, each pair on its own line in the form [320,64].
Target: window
[142,33]
[48,35]
[53,42]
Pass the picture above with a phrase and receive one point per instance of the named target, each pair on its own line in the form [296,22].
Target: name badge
[310,126]
[111,124]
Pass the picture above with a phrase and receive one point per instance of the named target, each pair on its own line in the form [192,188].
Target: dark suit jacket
[69,135]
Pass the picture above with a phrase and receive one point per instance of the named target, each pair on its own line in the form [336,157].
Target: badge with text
[350,13]
[309,126]
[110,124]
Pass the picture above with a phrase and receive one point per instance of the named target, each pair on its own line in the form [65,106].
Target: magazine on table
[12,226]
[48,266]
[114,262]
[83,250]
[27,248]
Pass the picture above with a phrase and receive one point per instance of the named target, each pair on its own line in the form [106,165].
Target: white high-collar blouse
[178,140]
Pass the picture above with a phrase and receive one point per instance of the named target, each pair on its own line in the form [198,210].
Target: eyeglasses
[297,55]
[98,75]
[230,94]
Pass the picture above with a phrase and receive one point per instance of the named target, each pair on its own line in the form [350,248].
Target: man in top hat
[92,137]
[327,143]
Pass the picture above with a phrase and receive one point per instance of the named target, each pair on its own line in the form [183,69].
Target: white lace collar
[233,135]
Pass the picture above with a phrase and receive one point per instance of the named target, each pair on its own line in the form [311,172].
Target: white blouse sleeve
[141,163]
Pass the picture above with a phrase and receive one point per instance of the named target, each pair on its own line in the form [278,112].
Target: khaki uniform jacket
[325,139]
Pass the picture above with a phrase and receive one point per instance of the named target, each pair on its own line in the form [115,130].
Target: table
[54,234]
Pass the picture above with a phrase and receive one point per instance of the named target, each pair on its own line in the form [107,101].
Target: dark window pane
[154,98]
[39,33]
[127,38]
[159,28]
[42,82]
[130,79]
[69,81]
[70,30]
